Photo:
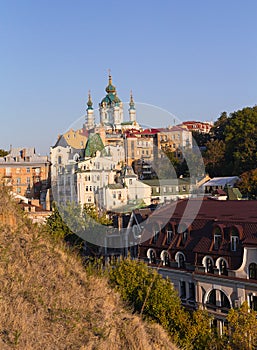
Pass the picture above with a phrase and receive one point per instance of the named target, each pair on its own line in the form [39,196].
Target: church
[111,111]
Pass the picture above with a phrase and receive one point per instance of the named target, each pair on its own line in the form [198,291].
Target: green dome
[110,88]
[110,98]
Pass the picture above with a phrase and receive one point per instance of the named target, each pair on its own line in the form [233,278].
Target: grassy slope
[47,300]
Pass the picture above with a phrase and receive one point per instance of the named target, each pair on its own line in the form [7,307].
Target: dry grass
[47,300]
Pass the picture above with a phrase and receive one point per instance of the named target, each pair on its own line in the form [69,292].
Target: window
[180,259]
[18,180]
[130,181]
[151,256]
[59,160]
[157,189]
[253,302]
[191,289]
[234,239]
[18,190]
[217,238]
[8,171]
[217,298]
[28,180]
[253,271]
[28,170]
[156,234]
[184,235]
[169,234]
[182,289]
[18,170]
[114,195]
[165,258]
[209,265]
[223,267]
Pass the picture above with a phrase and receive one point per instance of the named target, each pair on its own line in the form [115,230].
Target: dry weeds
[47,300]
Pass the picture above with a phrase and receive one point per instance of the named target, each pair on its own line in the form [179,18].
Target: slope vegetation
[48,301]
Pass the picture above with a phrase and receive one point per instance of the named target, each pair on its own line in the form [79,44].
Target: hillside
[48,301]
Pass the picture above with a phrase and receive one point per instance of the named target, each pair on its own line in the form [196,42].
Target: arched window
[218,299]
[253,271]
[234,239]
[223,267]
[181,260]
[165,258]
[208,264]
[217,237]
[151,256]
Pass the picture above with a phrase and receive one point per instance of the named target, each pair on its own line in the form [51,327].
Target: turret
[90,118]
[132,109]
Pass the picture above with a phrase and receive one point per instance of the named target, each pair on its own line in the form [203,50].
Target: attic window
[217,237]
[169,233]
[234,239]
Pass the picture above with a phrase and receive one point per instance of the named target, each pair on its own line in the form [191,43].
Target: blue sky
[195,59]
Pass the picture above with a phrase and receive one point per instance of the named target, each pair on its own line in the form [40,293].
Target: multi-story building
[203,127]
[210,257]
[64,155]
[26,172]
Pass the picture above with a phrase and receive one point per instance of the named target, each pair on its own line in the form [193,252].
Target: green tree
[248,184]
[155,297]
[3,153]
[56,224]
[243,328]
[214,157]
[217,132]
[241,141]
[201,138]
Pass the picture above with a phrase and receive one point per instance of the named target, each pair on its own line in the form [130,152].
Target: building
[64,156]
[211,258]
[202,127]
[163,190]
[26,172]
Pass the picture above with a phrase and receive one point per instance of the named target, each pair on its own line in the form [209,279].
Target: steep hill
[48,301]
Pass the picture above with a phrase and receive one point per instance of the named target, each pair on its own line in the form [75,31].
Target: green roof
[94,144]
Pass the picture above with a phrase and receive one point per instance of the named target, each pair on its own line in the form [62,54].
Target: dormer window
[217,237]
[181,260]
[223,267]
[234,239]
[184,235]
[165,258]
[156,233]
[169,233]
[208,264]
[151,256]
